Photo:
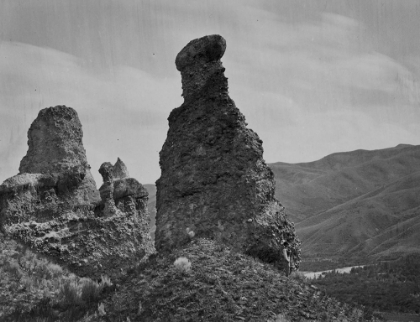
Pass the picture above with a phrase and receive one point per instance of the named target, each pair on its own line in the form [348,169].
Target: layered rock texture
[53,204]
[214,181]
[123,195]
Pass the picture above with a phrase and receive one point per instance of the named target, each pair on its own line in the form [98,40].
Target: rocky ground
[205,281]
[209,282]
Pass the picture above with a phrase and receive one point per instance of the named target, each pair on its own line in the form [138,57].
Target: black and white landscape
[195,160]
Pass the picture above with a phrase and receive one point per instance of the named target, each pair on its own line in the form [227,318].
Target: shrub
[298,276]
[101,309]
[90,291]
[54,270]
[83,291]
[281,318]
[105,281]
[183,264]
[190,233]
[70,293]
[15,269]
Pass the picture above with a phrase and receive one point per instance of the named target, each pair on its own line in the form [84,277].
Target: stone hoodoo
[119,191]
[53,204]
[56,148]
[214,181]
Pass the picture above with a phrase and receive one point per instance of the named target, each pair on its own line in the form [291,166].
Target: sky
[311,77]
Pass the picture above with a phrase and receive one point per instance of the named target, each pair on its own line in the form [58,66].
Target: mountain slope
[354,204]
[307,189]
[366,225]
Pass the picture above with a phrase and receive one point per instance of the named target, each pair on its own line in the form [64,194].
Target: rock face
[214,181]
[55,147]
[53,204]
[120,192]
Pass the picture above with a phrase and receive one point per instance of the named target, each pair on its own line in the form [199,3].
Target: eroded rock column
[214,180]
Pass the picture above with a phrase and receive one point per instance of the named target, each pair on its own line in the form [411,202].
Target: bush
[183,264]
[299,276]
[53,271]
[15,269]
[105,281]
[83,291]
[70,293]
[90,291]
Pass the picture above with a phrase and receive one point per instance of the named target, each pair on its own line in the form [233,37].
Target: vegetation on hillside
[33,288]
[388,286]
[203,281]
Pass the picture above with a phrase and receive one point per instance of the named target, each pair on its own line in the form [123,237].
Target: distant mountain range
[356,204]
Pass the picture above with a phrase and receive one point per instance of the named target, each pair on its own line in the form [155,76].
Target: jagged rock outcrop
[214,181]
[53,204]
[123,194]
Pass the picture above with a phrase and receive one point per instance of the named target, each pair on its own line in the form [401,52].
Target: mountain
[354,204]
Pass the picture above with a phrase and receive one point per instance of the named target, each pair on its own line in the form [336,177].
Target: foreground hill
[358,203]
[213,283]
[203,281]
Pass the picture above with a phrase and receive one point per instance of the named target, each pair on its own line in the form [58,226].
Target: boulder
[214,181]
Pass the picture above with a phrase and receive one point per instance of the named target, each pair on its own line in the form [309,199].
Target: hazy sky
[311,77]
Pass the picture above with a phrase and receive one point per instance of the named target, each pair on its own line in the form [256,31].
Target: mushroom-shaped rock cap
[202,50]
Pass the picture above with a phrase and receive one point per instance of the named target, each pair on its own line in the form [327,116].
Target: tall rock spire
[214,180]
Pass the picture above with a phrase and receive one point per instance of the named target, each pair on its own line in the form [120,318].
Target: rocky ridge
[219,284]
[53,204]
[214,182]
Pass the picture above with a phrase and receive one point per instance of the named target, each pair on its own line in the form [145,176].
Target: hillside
[391,286]
[307,189]
[214,283]
[211,283]
[358,203]
[378,223]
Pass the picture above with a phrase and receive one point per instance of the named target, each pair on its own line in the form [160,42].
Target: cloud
[337,82]
[123,112]
[308,86]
